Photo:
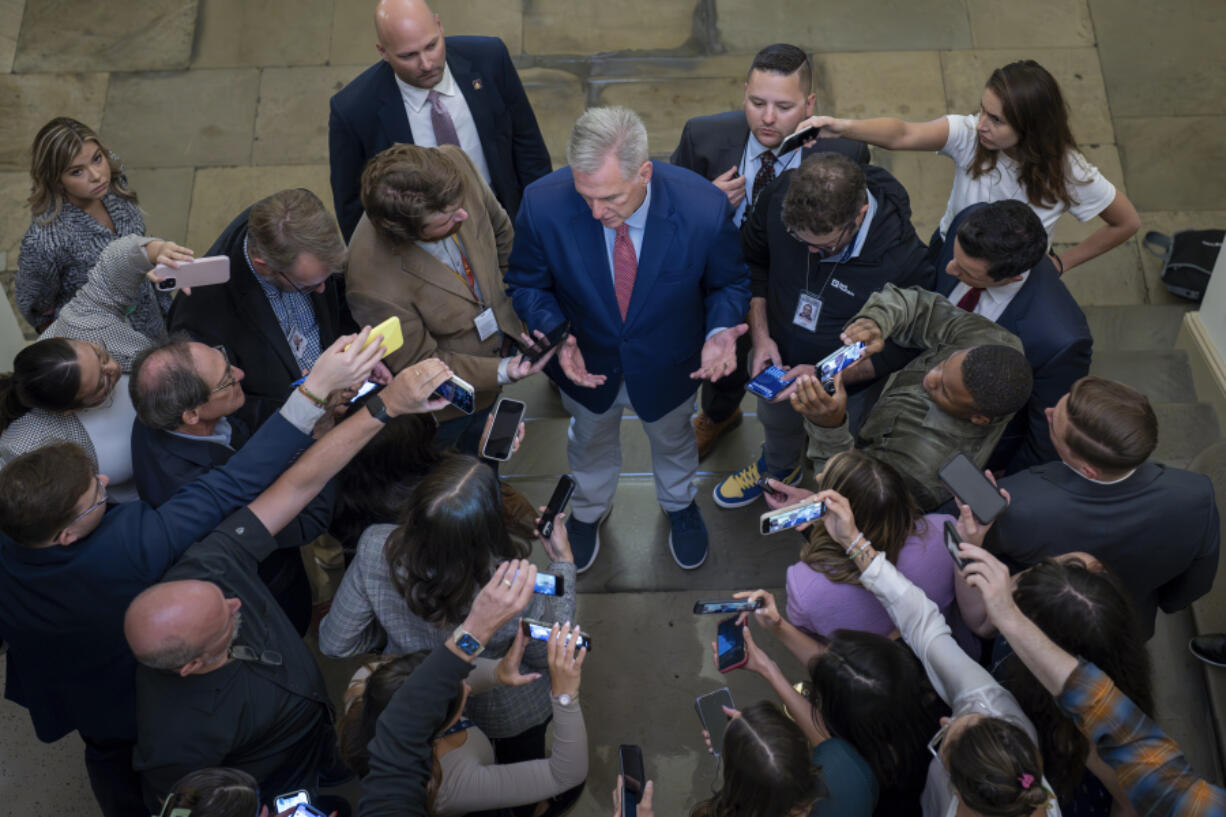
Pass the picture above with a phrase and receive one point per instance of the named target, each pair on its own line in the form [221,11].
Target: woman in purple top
[823,588]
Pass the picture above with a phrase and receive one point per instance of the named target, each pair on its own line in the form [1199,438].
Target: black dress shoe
[1209,648]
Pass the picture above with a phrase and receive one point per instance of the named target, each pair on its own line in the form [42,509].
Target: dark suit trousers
[721,399]
[116,786]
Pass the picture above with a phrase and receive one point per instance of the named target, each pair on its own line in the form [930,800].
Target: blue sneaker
[688,539]
[584,540]
[741,488]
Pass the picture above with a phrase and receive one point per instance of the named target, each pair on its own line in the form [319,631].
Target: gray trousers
[593,446]
[785,435]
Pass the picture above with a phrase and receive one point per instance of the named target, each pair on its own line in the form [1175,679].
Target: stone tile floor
[212,104]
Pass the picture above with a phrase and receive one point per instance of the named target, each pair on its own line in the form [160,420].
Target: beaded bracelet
[855,554]
[314,398]
[852,545]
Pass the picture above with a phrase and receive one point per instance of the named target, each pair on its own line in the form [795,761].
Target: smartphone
[497,442]
[547,584]
[761,483]
[702,608]
[540,631]
[838,361]
[730,645]
[633,778]
[768,383]
[367,389]
[711,713]
[203,272]
[459,392]
[796,140]
[952,540]
[389,330]
[792,516]
[552,338]
[557,502]
[965,481]
[284,802]
[306,810]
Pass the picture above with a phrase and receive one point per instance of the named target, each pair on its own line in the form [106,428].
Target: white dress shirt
[417,106]
[994,300]
[751,162]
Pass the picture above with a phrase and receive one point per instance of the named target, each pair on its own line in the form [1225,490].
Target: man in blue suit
[655,294]
[432,91]
[997,267]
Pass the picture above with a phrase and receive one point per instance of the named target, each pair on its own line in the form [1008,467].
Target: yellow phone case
[392,338]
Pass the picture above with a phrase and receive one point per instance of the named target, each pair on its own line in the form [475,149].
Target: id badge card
[486,323]
[808,310]
[297,343]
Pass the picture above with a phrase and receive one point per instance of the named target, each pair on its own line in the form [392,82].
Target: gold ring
[507,582]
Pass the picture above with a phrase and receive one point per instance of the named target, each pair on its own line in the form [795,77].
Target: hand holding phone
[791,516]
[557,503]
[201,272]
[714,719]
[459,392]
[539,348]
[498,441]
[633,778]
[968,484]
[836,362]
[730,645]
[797,139]
[952,541]
[769,382]
[702,608]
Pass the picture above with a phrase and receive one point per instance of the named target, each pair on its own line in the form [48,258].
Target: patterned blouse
[56,259]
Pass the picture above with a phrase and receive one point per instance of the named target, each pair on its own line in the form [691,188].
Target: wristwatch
[465,640]
[565,699]
[374,404]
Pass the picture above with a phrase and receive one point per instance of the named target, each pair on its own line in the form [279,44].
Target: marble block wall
[212,104]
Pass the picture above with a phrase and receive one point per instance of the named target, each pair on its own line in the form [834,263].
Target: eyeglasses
[91,508]
[826,248]
[228,379]
[300,289]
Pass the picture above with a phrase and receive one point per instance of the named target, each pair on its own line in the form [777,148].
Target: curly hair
[998,378]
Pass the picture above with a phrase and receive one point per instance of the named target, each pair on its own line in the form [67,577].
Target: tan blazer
[435,307]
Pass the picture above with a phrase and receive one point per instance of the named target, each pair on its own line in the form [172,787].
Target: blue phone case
[769,383]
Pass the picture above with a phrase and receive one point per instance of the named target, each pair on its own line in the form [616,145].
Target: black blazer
[367,116]
[1158,530]
[238,315]
[1056,339]
[711,144]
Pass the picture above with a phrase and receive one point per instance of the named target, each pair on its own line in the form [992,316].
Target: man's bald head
[410,39]
[184,627]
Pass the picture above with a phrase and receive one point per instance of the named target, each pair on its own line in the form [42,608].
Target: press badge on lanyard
[808,309]
[486,323]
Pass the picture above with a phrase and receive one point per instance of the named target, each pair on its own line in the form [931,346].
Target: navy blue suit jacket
[62,608]
[367,116]
[690,279]
[1058,346]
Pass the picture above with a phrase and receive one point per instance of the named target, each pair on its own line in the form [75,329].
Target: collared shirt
[637,222]
[447,252]
[295,313]
[222,433]
[1099,481]
[417,107]
[1149,765]
[853,250]
[751,162]
[994,300]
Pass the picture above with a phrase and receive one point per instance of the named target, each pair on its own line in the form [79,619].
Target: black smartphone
[761,483]
[547,584]
[459,392]
[552,338]
[539,630]
[797,139]
[702,608]
[730,645]
[952,540]
[711,713]
[965,481]
[557,502]
[497,443]
[633,778]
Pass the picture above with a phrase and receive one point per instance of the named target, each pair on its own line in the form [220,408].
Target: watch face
[468,644]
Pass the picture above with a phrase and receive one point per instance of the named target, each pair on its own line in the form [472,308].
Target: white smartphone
[203,272]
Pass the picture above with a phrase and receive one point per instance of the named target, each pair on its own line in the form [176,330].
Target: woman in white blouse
[1019,146]
[985,757]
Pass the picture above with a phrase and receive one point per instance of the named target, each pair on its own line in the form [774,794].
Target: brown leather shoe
[517,512]
[708,431]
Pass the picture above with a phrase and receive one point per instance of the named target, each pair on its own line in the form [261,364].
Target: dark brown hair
[1111,426]
[40,489]
[884,510]
[451,534]
[825,194]
[405,185]
[785,59]
[1033,106]
[289,223]
[988,762]
[219,792]
[56,145]
[45,375]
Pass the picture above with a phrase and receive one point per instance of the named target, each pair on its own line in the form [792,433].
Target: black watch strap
[374,404]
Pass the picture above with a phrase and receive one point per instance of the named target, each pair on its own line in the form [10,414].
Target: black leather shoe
[1209,648]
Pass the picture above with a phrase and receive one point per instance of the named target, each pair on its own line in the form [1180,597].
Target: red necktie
[625,265]
[970,299]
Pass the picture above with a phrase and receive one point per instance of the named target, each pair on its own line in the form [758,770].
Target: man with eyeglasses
[69,566]
[821,240]
[186,397]
[284,302]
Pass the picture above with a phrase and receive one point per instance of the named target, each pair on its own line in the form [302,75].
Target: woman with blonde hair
[80,202]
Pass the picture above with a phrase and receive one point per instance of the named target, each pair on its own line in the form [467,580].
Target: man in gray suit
[737,152]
